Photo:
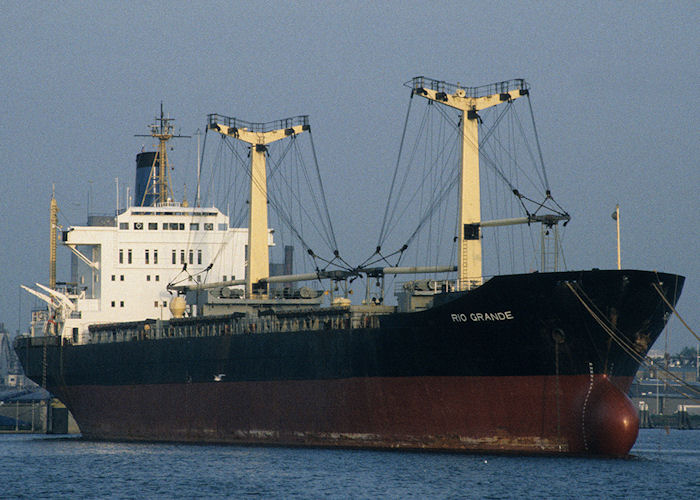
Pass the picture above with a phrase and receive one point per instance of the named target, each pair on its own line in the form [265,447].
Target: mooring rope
[670,306]
[620,341]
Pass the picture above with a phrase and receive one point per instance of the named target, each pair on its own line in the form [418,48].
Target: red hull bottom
[590,415]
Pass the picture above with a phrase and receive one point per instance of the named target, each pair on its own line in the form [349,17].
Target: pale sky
[615,86]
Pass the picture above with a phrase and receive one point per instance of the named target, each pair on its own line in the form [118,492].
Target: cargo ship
[535,363]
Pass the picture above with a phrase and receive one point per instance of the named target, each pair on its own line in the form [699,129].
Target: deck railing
[235,324]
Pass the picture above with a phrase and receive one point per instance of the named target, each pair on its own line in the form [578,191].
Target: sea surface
[665,464]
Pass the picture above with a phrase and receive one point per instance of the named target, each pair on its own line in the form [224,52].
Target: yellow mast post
[258,135]
[53,224]
[163,136]
[469,101]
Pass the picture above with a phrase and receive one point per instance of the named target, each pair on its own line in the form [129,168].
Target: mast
[53,224]
[616,216]
[162,130]
[469,100]
[258,135]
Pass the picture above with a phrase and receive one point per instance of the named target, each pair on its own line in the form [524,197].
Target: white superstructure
[120,272]
[121,265]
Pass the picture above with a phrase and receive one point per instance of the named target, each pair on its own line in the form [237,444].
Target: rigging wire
[394,210]
[239,163]
[537,140]
[221,244]
[542,176]
[441,191]
[396,170]
[323,192]
[325,231]
[278,206]
[392,215]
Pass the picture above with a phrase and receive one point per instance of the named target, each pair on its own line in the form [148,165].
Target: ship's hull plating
[500,414]
[535,373]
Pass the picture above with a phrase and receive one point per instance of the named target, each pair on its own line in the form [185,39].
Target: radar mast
[159,177]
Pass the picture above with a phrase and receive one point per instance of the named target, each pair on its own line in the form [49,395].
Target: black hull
[463,369]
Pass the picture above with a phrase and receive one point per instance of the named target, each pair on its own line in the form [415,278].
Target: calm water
[665,465]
